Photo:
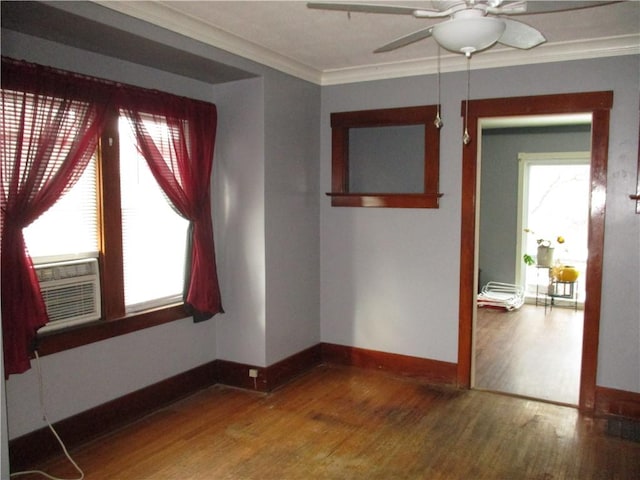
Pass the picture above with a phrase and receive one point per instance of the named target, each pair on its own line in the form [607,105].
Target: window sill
[101,330]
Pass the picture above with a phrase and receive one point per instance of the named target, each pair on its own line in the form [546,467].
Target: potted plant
[544,254]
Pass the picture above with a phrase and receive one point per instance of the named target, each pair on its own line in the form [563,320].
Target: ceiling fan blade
[511,8]
[520,35]
[370,8]
[405,40]
[533,7]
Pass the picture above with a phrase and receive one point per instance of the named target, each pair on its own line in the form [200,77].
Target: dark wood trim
[340,160]
[285,370]
[540,105]
[236,375]
[384,117]
[34,447]
[385,200]
[597,103]
[37,446]
[269,378]
[593,287]
[434,371]
[342,122]
[111,263]
[432,160]
[610,401]
[467,256]
[104,329]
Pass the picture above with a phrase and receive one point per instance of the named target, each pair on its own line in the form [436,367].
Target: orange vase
[566,273]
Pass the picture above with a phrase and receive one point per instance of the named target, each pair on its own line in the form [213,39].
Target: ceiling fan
[473,25]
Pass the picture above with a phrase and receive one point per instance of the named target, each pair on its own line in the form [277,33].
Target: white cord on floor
[55,434]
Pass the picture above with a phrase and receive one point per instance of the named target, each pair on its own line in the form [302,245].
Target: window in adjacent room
[554,198]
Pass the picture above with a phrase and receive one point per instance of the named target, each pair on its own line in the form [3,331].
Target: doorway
[529,195]
[598,105]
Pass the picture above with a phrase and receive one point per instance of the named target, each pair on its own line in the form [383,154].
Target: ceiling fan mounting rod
[469,13]
[462,9]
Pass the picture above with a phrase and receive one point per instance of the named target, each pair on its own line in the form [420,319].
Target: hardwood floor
[530,352]
[346,423]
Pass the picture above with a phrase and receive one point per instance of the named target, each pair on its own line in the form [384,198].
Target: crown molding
[165,17]
[496,57]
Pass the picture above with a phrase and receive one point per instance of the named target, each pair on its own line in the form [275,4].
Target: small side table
[567,290]
[545,286]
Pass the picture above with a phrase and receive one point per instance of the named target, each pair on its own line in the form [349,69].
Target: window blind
[69,229]
[153,234]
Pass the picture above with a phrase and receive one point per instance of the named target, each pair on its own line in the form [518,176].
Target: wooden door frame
[598,104]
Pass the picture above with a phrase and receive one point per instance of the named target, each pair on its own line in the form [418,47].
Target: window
[153,235]
[69,229]
[554,197]
[69,161]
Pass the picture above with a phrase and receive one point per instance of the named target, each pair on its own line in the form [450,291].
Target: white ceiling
[329,47]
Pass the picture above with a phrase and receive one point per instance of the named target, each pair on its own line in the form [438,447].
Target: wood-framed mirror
[385,158]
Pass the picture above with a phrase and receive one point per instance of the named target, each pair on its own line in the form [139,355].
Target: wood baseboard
[433,371]
[34,447]
[613,402]
[237,374]
[285,370]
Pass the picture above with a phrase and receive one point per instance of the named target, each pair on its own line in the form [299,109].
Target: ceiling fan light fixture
[468,35]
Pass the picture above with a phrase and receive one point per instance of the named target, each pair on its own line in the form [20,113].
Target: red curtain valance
[26,76]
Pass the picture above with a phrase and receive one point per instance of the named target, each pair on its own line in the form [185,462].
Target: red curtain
[181,163]
[47,137]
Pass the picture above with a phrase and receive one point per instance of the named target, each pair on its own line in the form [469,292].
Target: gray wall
[78,379]
[239,221]
[384,279]
[390,277]
[265,209]
[292,204]
[499,189]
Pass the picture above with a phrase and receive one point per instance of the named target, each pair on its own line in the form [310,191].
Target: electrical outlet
[253,372]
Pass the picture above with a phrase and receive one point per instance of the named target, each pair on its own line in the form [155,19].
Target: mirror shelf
[385,200]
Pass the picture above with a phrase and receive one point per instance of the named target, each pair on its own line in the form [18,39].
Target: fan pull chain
[438,120]
[466,138]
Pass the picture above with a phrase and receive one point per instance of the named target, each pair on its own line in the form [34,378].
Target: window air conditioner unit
[71,292]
